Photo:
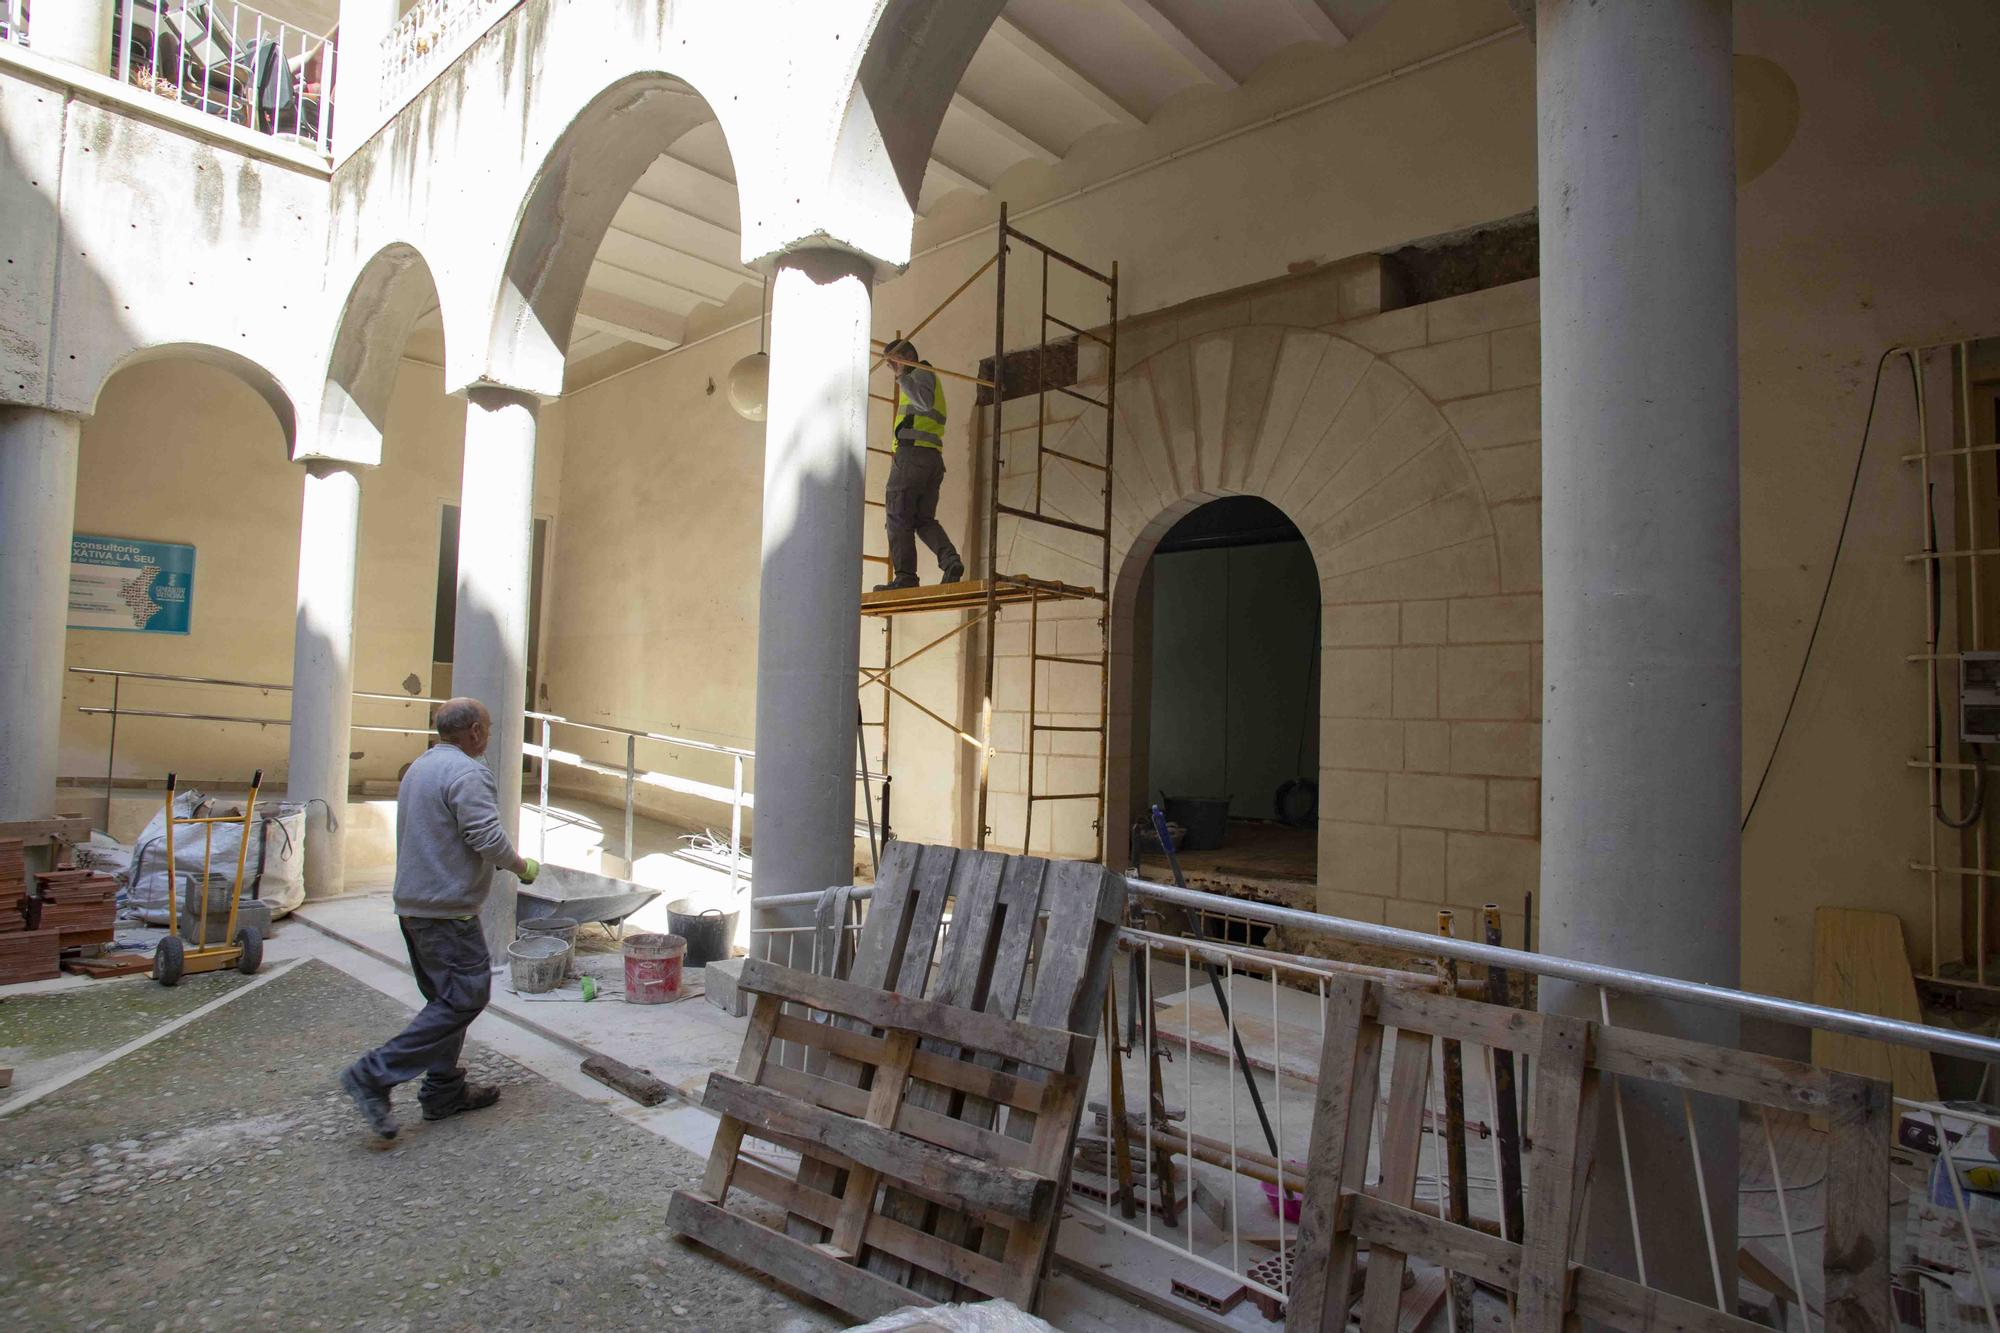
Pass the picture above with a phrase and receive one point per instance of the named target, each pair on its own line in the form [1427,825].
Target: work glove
[530,870]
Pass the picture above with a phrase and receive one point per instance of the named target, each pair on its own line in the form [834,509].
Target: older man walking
[448,840]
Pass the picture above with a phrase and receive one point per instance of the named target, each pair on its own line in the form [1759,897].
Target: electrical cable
[1826,592]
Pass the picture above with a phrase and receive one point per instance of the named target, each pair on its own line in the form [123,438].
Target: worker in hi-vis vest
[910,505]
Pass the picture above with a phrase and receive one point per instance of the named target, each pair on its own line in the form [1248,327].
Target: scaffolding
[981,600]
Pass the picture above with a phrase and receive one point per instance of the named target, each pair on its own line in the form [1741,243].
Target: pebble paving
[218,1179]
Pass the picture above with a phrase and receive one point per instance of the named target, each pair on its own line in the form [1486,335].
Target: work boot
[900,581]
[953,572]
[371,1101]
[471,1097]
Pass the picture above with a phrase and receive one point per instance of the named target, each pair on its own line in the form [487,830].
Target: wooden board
[897,1077]
[1859,963]
[1193,1018]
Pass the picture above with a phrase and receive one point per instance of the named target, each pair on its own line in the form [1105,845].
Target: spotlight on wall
[750,378]
[749,386]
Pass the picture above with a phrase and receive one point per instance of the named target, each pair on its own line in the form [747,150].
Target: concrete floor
[216,1178]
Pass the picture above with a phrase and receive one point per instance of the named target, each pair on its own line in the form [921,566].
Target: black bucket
[707,932]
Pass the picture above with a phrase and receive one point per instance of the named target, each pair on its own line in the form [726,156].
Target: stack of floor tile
[25,955]
[82,904]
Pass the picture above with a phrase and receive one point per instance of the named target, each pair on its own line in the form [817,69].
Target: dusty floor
[217,1179]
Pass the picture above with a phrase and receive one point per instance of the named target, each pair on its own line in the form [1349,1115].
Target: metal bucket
[537,963]
[557,927]
[707,932]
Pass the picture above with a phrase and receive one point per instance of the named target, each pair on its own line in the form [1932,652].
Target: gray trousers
[455,974]
[910,508]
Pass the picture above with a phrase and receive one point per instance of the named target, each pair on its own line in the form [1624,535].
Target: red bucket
[653,968]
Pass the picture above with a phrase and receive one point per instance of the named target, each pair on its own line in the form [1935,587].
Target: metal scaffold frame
[985,598]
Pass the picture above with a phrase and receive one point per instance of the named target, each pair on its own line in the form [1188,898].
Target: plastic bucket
[653,968]
[707,932]
[537,963]
[560,927]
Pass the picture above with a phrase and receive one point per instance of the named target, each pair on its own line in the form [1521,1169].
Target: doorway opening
[1227,705]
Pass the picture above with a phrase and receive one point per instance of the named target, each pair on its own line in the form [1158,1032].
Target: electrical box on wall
[1979,697]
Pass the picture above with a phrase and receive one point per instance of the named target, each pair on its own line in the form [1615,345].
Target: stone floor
[215,1178]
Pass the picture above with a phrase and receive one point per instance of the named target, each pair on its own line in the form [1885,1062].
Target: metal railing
[1211,1125]
[231,61]
[14,21]
[418,46]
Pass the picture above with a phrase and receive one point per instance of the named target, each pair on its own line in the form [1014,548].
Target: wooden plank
[885,1099]
[1761,1080]
[1485,1258]
[963,1075]
[1857,1211]
[1474,1021]
[1343,1118]
[1193,1018]
[638,1084]
[1047,1048]
[930,1126]
[1859,963]
[1402,1142]
[1005,1190]
[794,1263]
[723,1153]
[1558,1163]
[1614,1302]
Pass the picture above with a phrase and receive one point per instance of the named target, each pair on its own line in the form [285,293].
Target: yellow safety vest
[925,429]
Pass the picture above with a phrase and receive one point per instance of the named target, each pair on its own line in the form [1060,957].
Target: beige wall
[179,451]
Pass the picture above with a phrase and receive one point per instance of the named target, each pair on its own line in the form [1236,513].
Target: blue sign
[121,584]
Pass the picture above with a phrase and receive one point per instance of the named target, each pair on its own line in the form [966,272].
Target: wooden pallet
[931,1092]
[1343,1211]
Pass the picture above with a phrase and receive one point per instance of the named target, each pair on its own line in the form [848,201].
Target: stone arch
[255,376]
[567,210]
[394,290]
[1344,443]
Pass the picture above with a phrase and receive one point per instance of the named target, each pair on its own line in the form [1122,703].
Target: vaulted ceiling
[1049,74]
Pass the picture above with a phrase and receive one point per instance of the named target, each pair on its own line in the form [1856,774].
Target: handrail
[1750,1004]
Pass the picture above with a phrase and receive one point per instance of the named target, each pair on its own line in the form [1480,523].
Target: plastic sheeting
[274,870]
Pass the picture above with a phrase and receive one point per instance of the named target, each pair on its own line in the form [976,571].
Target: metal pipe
[543,764]
[736,828]
[631,749]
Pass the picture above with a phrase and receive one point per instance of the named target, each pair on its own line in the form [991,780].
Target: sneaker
[900,581]
[371,1101]
[954,573]
[474,1097]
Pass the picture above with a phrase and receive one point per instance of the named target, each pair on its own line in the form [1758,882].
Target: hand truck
[174,957]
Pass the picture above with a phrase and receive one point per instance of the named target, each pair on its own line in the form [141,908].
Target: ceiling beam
[677,267]
[1014,135]
[1182,44]
[1320,23]
[1013,35]
[959,179]
[634,321]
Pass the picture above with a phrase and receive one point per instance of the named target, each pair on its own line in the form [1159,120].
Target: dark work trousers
[910,507]
[455,974]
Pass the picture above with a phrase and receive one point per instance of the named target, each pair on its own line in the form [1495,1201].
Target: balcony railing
[431,33]
[231,61]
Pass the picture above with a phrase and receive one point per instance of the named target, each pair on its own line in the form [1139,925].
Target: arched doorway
[1226,692]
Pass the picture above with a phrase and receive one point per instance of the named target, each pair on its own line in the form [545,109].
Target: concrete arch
[568,208]
[394,290]
[1340,440]
[255,376]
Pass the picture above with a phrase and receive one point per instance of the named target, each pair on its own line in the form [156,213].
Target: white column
[809,609]
[323,668]
[1642,621]
[357,69]
[496,544]
[37,516]
[78,31]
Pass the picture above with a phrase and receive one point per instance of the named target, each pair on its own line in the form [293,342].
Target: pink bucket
[653,968]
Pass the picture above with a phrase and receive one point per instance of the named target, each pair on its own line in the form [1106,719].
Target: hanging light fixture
[750,378]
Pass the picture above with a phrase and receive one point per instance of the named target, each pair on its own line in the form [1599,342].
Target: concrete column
[323,668]
[37,516]
[357,70]
[496,548]
[78,31]
[809,609]
[1643,733]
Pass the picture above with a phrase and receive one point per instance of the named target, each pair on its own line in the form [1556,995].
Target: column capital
[490,397]
[824,262]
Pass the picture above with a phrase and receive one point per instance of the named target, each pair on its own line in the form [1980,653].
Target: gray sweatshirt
[448,835]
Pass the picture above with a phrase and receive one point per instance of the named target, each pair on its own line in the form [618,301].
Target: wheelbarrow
[581,895]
